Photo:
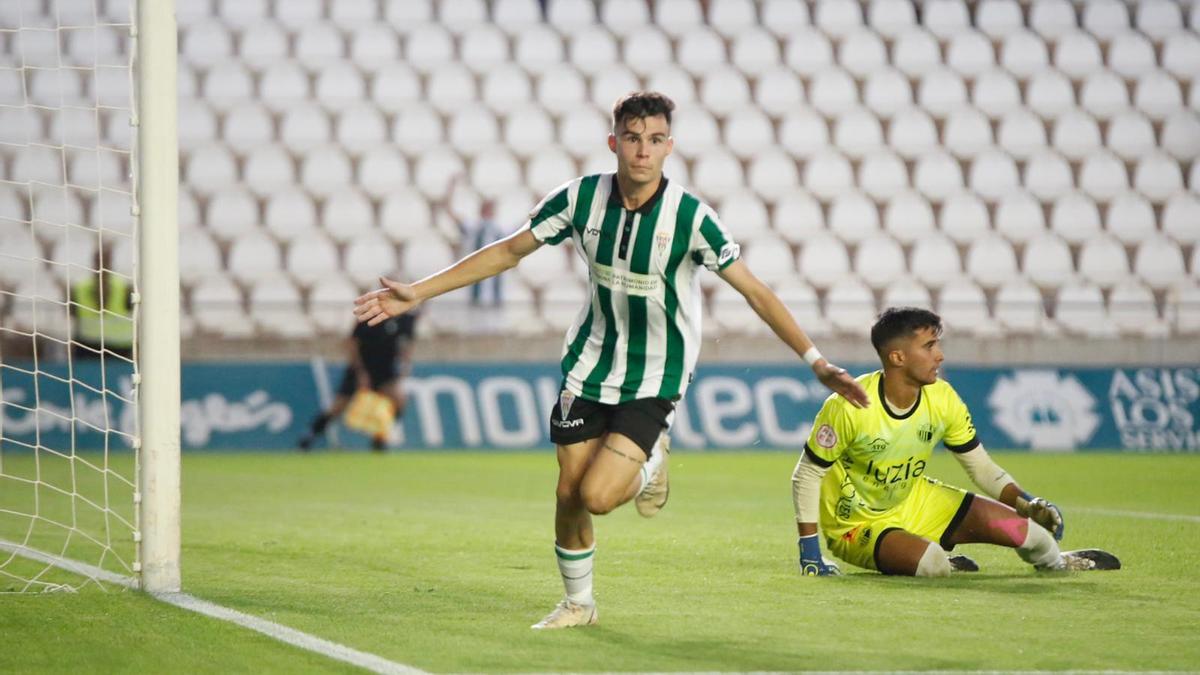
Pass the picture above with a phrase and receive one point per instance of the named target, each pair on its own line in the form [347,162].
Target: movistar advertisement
[247,406]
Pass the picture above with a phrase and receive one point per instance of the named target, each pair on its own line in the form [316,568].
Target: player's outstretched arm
[806,490]
[396,298]
[772,311]
[997,484]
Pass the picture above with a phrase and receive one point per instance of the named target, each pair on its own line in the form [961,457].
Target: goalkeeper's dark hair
[639,104]
[895,322]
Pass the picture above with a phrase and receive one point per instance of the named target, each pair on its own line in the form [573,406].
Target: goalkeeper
[862,474]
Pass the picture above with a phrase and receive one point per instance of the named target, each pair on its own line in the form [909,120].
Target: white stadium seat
[305,127]
[583,128]
[1130,135]
[505,88]
[717,173]
[828,174]
[610,84]
[695,131]
[998,18]
[773,174]
[327,303]
[1159,262]
[1157,176]
[483,48]
[246,125]
[908,218]
[622,16]
[1103,261]
[754,51]
[886,92]
[964,218]
[428,47]
[317,44]
[746,217]
[1104,18]
[879,261]
[801,300]
[1181,135]
[207,169]
[282,85]
[592,50]
[570,15]
[783,17]
[832,92]
[1158,18]
[993,174]
[857,132]
[450,87]
[797,217]
[882,174]
[1080,310]
[296,14]
[1024,54]
[700,50]
[674,82]
[646,51]
[514,16]
[418,128]
[912,133]
[1046,261]
[369,256]
[777,91]
[937,175]
[808,52]
[1157,94]
[326,170]
[462,15]
[217,307]
[404,214]
[723,90]
[991,261]
[1131,55]
[1019,308]
[1075,134]
[823,260]
[748,132]
[967,132]
[837,18]
[1103,175]
[861,52]
[1130,218]
[803,132]
[850,306]
[203,257]
[1052,18]
[227,84]
[201,44]
[361,128]
[1077,55]
[561,89]
[422,257]
[935,261]
[254,255]
[267,169]
[529,129]
[941,91]
[381,169]
[277,309]
[311,258]
[906,292]
[1183,302]
[1047,175]
[963,306]
[352,13]
[1180,53]
[1049,93]
[472,129]
[853,217]
[1180,216]
[945,18]
[969,53]
[1133,310]
[772,261]
[290,213]
[561,304]
[262,45]
[394,87]
[495,171]
[891,18]
[995,93]
[1103,94]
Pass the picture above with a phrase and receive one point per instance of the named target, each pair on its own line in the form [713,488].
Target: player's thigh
[574,459]
[989,522]
[898,551]
[606,482]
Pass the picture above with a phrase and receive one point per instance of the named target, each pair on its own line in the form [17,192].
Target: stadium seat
[700,50]
[771,259]
[325,170]
[803,132]
[346,215]
[906,292]
[1075,218]
[886,92]
[23,254]
[695,132]
[428,48]
[418,128]
[882,175]
[997,18]
[995,93]
[296,14]
[674,82]
[891,19]
[937,175]
[290,213]
[748,132]
[1103,175]
[612,83]
[254,255]
[861,52]
[369,256]
[723,90]
[267,168]
[264,44]
[993,174]
[394,87]
[561,304]
[549,169]
[1180,216]
[1131,55]
[463,15]
[1157,176]
[450,87]
[203,258]
[1157,95]
[404,215]
[623,16]
[1183,305]
[514,16]
[305,127]
[1102,261]
[592,50]
[941,91]
[745,215]
[963,306]
[561,90]
[1181,135]
[277,309]
[226,85]
[801,300]
[964,218]
[837,18]
[601,161]
[1103,94]
[189,211]
[823,260]
[505,88]
[1130,135]
[1024,54]
[75,126]
[879,261]
[833,92]
[935,261]
[717,173]
[1159,262]
[1052,18]
[207,169]
[312,257]
[217,308]
[52,211]
[472,129]
[1046,261]
[808,52]
[778,90]
[754,51]
[647,51]
[773,174]
[283,85]
[1158,18]
[361,128]
[317,44]
[828,174]
[1047,175]
[327,303]
[1077,55]
[1180,53]
[374,47]
[230,212]
[495,171]
[1080,310]
[912,133]
[1133,311]
[853,217]
[246,125]
[991,261]
[731,17]
[200,44]
[969,53]
[1075,134]
[422,257]
[945,18]
[1019,308]
[850,306]
[569,16]
[797,216]
[966,132]
[1104,18]
[857,132]
[908,217]
[94,169]
[1194,177]
[1130,218]
[353,13]
[1049,94]
[339,84]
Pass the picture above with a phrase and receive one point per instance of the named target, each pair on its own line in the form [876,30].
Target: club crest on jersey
[925,433]
[826,436]
[661,241]
[565,399]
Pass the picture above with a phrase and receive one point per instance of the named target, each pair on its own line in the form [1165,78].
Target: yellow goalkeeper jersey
[876,455]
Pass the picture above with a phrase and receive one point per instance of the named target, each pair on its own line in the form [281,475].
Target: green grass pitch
[442,561]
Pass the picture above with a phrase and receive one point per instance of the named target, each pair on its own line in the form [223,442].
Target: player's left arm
[962,442]
[775,314]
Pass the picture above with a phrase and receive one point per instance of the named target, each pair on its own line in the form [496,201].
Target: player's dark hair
[639,104]
[895,322]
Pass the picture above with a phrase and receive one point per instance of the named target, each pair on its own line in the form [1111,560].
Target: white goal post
[89,296]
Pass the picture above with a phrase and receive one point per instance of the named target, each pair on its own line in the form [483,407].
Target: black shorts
[379,376]
[642,420]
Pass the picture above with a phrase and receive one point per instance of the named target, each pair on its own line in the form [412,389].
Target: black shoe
[378,445]
[1090,559]
[305,443]
[961,563]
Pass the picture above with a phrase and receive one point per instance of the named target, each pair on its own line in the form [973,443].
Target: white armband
[806,489]
[983,471]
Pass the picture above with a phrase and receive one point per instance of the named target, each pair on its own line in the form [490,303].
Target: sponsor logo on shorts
[567,424]
[826,436]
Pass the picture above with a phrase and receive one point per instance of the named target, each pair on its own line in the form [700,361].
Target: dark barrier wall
[266,406]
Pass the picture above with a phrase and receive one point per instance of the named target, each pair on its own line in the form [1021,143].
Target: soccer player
[632,351]
[378,358]
[862,474]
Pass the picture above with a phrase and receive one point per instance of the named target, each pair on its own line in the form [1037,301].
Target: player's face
[923,356]
[641,145]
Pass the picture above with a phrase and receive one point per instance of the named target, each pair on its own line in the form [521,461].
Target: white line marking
[1140,514]
[80,568]
[371,662]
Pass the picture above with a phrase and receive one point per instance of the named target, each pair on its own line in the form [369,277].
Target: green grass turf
[442,561]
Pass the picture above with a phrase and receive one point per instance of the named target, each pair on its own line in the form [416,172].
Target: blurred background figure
[101,312]
[474,234]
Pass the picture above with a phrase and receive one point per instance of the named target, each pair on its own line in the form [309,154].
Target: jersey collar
[889,411]
[614,196]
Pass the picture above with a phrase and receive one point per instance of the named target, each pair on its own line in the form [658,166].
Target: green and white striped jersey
[639,336]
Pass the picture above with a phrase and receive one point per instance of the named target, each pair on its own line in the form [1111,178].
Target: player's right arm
[832,431]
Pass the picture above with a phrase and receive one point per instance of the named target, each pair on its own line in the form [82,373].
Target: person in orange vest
[101,312]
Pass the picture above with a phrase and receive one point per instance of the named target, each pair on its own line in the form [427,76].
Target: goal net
[74,230]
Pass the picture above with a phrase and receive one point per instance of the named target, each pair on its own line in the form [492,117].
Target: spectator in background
[379,358]
[474,234]
[101,311]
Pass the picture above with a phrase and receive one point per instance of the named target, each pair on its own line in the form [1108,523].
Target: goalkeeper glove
[1041,512]
[812,564]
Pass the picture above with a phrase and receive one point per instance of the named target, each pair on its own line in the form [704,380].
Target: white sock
[652,464]
[934,562]
[576,570]
[1039,549]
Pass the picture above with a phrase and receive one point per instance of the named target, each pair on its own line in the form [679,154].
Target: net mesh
[68,243]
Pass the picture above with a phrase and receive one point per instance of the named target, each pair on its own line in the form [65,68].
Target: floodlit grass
[442,561]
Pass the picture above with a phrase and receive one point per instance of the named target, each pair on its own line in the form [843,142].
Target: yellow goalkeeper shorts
[930,510]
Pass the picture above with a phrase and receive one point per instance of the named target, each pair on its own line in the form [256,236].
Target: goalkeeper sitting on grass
[862,475]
